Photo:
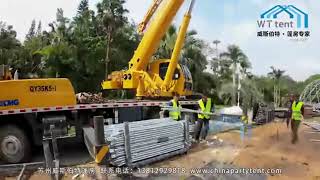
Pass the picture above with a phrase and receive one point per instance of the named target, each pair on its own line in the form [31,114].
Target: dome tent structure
[311,94]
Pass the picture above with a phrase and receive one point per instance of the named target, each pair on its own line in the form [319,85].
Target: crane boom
[162,77]
[148,16]
[178,46]
[152,37]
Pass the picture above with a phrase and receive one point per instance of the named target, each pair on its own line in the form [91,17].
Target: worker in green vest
[297,110]
[175,113]
[202,126]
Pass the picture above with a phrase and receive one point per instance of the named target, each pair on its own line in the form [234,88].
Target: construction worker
[175,113]
[297,110]
[289,106]
[202,127]
[244,119]
[8,75]
[245,129]
[16,74]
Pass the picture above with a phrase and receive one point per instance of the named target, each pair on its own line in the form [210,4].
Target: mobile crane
[159,78]
[29,106]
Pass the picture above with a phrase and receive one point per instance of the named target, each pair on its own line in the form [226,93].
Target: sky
[231,22]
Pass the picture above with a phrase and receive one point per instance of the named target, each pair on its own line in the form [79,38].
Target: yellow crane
[30,93]
[142,26]
[29,106]
[156,78]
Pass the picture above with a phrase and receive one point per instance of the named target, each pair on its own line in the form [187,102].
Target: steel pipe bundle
[135,142]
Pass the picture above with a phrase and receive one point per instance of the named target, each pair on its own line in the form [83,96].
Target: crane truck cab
[28,106]
[31,93]
[181,81]
[18,132]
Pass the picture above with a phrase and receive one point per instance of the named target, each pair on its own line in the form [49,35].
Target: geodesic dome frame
[311,94]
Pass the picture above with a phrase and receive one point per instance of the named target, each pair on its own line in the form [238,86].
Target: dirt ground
[269,146]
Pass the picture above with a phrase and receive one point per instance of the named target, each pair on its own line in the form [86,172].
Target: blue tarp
[229,122]
[220,126]
[224,123]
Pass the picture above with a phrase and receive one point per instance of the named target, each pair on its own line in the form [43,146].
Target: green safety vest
[175,114]
[296,110]
[205,109]
[244,119]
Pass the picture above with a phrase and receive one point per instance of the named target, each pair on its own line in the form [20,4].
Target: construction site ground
[269,146]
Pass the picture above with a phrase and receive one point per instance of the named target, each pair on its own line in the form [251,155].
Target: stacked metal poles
[132,143]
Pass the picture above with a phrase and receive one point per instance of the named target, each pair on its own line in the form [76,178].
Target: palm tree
[191,55]
[225,92]
[276,75]
[167,44]
[111,17]
[235,56]
[250,94]
[215,66]
[192,47]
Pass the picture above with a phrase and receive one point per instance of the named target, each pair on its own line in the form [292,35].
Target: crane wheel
[14,145]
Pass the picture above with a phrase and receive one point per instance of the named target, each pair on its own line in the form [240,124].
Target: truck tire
[14,145]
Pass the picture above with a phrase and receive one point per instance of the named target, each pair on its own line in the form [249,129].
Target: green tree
[9,45]
[192,56]
[111,18]
[89,50]
[250,94]
[300,86]
[39,28]
[30,63]
[288,86]
[31,32]
[221,68]
[235,56]
[276,74]
[225,92]
[311,79]
[58,56]
[77,46]
[265,86]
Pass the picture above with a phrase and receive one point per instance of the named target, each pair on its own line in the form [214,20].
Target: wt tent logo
[284,21]
[297,15]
